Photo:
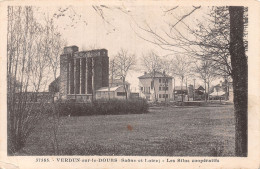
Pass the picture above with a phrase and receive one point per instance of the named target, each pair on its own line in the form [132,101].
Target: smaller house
[54,86]
[223,90]
[217,94]
[117,92]
[178,91]
[119,82]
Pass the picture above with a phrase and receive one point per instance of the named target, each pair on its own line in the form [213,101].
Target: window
[142,88]
[165,95]
[120,94]
[165,80]
[160,96]
[160,80]
[160,88]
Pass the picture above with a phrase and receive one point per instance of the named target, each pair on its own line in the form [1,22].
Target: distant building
[178,91]
[118,82]
[155,86]
[54,86]
[116,92]
[81,71]
[223,90]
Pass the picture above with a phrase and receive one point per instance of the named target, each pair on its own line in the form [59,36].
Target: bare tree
[124,61]
[181,67]
[112,70]
[30,46]
[22,39]
[223,42]
[206,73]
[152,63]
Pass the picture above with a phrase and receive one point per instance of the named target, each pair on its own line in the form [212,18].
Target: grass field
[164,131]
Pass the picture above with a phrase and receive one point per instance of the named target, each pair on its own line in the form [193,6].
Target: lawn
[164,131]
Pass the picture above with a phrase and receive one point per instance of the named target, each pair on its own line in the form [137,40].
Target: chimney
[145,73]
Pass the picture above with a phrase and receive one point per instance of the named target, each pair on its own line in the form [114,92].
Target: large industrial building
[82,73]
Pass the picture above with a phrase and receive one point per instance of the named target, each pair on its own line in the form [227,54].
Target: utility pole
[93,80]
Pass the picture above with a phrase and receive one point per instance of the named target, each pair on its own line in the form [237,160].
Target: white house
[155,86]
[116,92]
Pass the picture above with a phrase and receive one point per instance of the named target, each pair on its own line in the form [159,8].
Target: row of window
[163,80]
[163,95]
[163,88]
[147,89]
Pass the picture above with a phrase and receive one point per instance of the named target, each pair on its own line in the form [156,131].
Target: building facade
[155,86]
[82,73]
[116,92]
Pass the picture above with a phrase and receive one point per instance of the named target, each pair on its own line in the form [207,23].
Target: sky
[85,28]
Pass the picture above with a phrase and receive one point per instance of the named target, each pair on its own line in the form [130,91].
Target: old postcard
[130,84]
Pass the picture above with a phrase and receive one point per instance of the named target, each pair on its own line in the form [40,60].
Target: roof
[105,89]
[54,85]
[156,75]
[200,88]
[221,93]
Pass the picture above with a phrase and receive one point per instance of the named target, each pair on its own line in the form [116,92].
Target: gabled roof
[54,85]
[200,88]
[155,75]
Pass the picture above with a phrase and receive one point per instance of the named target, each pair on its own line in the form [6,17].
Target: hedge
[102,107]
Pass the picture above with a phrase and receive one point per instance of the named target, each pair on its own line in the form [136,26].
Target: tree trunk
[240,79]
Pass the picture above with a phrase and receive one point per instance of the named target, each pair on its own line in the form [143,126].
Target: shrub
[23,117]
[102,107]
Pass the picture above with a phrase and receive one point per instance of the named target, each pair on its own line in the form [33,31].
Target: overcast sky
[84,27]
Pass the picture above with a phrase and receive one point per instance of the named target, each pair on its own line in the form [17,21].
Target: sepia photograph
[127,79]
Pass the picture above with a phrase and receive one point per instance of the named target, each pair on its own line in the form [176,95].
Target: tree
[222,42]
[152,63]
[32,50]
[240,78]
[124,61]
[112,70]
[22,37]
[206,73]
[181,67]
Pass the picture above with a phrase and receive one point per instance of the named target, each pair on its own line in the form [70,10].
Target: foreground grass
[164,131]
